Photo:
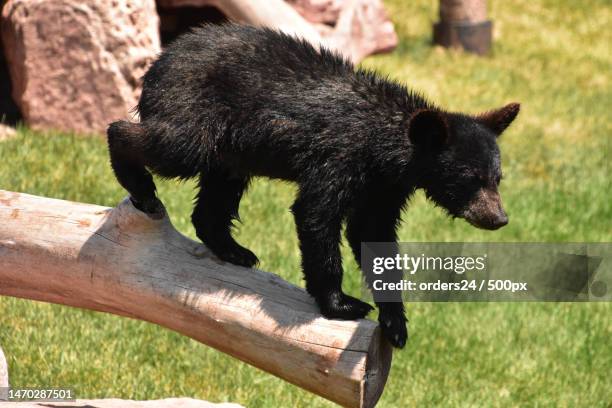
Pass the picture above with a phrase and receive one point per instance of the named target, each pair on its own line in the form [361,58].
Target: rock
[4,382]
[6,132]
[76,65]
[119,403]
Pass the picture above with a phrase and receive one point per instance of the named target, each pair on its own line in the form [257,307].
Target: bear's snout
[486,211]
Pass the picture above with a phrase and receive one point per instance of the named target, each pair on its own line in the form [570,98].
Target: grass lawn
[554,58]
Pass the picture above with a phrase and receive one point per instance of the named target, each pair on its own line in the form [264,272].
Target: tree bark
[123,262]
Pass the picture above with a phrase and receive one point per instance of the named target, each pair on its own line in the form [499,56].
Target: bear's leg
[124,139]
[318,228]
[376,221]
[216,207]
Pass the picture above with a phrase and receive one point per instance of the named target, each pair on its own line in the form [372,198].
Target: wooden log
[270,13]
[123,262]
[355,28]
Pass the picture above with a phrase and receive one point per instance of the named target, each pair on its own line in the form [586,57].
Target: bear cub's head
[461,162]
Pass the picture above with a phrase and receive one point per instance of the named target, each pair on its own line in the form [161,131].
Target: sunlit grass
[554,58]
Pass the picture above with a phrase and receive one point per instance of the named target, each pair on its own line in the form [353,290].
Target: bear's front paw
[393,326]
[337,305]
[237,255]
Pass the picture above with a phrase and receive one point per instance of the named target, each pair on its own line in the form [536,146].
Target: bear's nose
[500,220]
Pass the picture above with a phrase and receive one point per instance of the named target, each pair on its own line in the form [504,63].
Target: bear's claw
[237,255]
[337,305]
[394,329]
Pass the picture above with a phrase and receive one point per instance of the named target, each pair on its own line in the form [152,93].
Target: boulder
[4,382]
[76,65]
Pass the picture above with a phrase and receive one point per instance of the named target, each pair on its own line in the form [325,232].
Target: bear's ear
[429,129]
[498,120]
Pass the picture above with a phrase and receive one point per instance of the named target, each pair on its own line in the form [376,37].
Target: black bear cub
[226,103]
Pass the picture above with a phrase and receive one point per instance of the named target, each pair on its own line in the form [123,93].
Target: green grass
[553,57]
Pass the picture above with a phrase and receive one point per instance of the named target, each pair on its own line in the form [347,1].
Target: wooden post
[464,24]
[123,262]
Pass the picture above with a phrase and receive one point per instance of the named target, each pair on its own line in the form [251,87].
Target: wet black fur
[226,103]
